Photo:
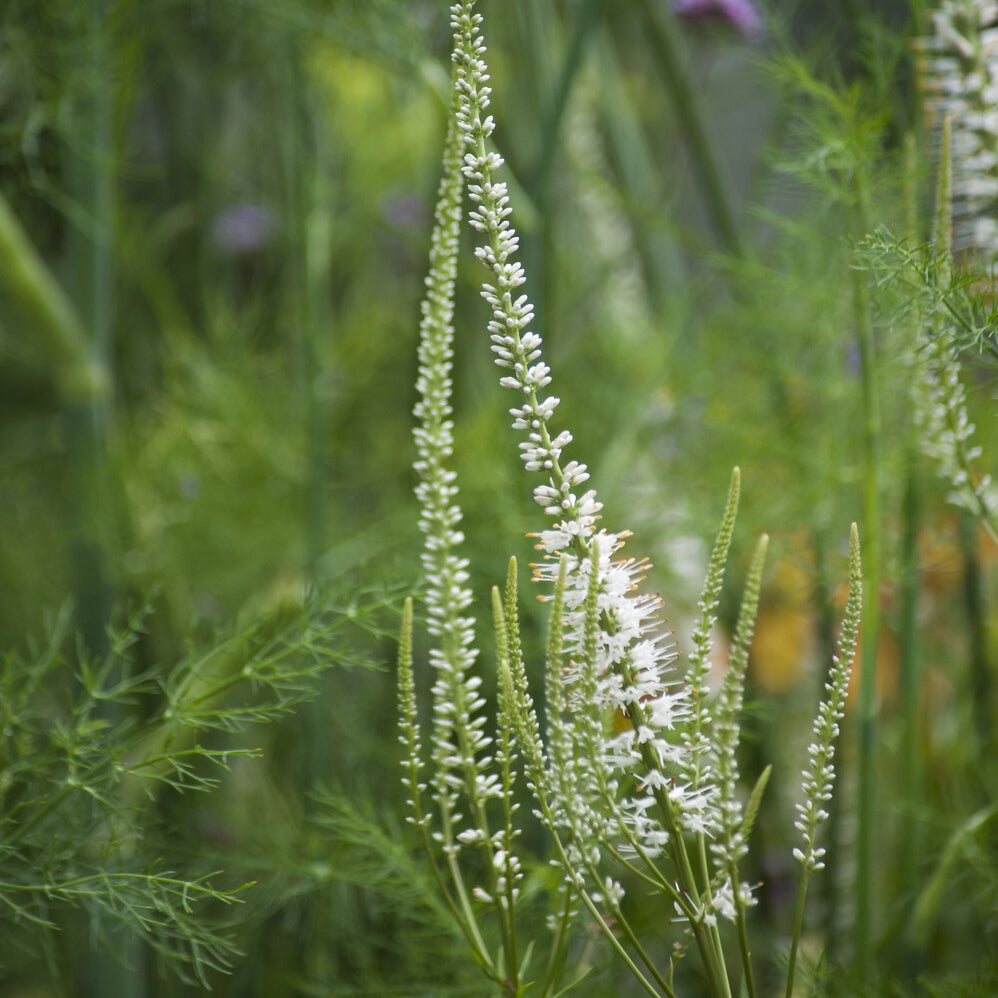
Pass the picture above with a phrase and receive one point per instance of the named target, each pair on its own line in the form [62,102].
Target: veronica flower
[632,657]
[818,776]
[668,783]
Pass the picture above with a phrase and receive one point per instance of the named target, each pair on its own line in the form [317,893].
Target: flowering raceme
[657,800]
[635,656]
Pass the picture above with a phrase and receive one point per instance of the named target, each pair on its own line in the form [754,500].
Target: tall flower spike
[818,776]
[730,847]
[460,747]
[635,657]
[939,397]
[696,762]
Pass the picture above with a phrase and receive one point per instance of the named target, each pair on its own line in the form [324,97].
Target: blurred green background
[235,199]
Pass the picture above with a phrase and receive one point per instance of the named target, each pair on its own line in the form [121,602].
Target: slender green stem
[663,36]
[689,900]
[31,284]
[657,881]
[625,927]
[466,923]
[548,817]
[743,942]
[558,949]
[478,946]
[616,945]
[590,13]
[909,679]
[798,928]
[690,894]
[867,718]
[977,620]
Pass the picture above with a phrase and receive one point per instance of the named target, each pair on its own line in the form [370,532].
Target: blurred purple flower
[242,229]
[742,15]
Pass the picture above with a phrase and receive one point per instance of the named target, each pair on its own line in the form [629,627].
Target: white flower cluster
[634,657]
[938,395]
[460,756]
[818,776]
[730,845]
[946,430]
[959,72]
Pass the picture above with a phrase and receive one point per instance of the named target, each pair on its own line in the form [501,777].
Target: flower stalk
[636,774]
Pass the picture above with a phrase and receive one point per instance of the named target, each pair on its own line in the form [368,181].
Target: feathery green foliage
[90,745]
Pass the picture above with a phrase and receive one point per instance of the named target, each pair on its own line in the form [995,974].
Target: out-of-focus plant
[89,745]
[958,72]
[946,318]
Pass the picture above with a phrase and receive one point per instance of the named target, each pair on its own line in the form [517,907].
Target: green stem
[909,670]
[44,303]
[711,955]
[867,711]
[590,14]
[625,927]
[558,949]
[615,944]
[980,666]
[742,926]
[798,928]
[664,38]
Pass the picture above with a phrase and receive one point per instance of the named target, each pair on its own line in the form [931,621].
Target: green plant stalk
[91,180]
[639,172]
[538,183]
[503,917]
[712,956]
[748,821]
[932,897]
[78,376]
[589,16]
[867,719]
[910,677]
[625,927]
[910,673]
[305,295]
[539,778]
[90,488]
[462,913]
[797,930]
[663,35]
[508,645]
[558,949]
[309,196]
[980,666]
[612,939]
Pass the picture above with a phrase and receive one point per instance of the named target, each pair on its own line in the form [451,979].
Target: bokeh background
[235,199]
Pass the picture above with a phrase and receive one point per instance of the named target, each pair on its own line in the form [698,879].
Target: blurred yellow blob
[783,646]
[785,629]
